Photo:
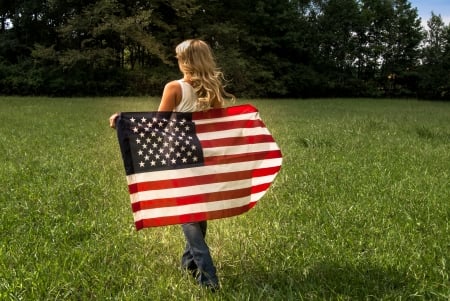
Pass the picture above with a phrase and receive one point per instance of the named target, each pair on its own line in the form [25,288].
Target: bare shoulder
[173,85]
[171,96]
[172,89]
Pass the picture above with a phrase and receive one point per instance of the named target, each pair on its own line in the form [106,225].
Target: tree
[258,43]
[104,38]
[337,39]
[434,75]
[402,52]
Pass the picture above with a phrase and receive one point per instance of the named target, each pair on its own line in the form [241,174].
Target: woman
[201,88]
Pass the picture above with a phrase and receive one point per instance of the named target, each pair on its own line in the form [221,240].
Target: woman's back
[188,102]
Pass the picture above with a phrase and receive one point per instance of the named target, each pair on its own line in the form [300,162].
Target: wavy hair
[197,62]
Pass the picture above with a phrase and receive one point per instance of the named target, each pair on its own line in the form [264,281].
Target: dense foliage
[270,48]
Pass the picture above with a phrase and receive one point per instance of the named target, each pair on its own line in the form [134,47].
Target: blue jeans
[196,257]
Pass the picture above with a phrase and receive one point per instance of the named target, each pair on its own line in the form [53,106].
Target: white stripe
[239,132]
[195,208]
[149,195]
[247,116]
[201,170]
[240,149]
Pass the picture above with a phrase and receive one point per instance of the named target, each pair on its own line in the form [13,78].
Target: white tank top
[188,101]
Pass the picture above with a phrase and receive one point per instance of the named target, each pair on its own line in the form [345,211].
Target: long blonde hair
[197,62]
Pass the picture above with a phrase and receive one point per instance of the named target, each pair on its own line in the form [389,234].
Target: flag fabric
[189,167]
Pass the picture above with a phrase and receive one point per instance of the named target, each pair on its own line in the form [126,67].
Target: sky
[439,7]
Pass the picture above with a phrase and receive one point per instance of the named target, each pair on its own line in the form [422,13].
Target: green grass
[359,211]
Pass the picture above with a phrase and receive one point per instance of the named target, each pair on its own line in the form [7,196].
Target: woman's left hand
[112,120]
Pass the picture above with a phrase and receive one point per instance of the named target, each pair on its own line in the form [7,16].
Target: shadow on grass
[325,280]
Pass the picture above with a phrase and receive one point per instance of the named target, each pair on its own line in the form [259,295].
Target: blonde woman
[201,88]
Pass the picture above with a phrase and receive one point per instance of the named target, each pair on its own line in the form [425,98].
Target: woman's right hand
[112,120]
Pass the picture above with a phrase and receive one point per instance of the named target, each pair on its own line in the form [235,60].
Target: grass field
[359,211]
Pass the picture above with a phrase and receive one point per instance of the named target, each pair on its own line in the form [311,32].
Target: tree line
[269,48]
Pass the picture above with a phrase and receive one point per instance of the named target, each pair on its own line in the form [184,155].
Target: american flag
[188,167]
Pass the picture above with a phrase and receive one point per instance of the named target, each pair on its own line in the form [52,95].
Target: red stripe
[199,198]
[228,125]
[236,141]
[214,160]
[201,180]
[194,217]
[230,111]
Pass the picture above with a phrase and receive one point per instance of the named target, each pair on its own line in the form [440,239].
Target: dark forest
[271,48]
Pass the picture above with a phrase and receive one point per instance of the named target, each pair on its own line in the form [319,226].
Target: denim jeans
[196,257]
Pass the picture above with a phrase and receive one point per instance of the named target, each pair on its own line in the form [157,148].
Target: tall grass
[360,209]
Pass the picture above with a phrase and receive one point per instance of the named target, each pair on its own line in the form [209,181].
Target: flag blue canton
[161,143]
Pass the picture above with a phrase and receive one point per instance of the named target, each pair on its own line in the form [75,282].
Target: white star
[184,160]
[173,161]
[195,159]
[141,164]
[135,129]
[140,153]
[163,162]
[132,119]
[153,163]
[143,120]
[138,141]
